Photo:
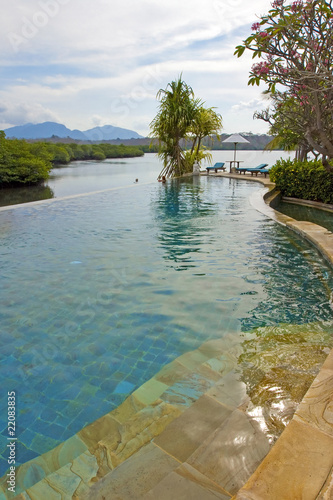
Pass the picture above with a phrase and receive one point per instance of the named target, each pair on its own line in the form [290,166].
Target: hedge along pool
[99,292]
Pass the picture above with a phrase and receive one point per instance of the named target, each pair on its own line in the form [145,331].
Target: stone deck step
[196,412]
[114,437]
[210,451]
[300,465]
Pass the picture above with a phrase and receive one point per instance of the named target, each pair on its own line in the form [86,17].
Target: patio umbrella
[236,138]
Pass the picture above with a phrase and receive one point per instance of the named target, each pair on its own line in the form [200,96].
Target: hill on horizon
[47,130]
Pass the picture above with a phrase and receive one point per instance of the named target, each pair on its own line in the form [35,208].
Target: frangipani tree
[295,44]
[287,120]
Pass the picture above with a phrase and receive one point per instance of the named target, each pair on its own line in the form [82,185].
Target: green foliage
[307,180]
[30,163]
[176,113]
[294,42]
[181,116]
[22,163]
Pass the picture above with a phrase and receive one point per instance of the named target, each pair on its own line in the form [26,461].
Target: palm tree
[177,111]
[207,123]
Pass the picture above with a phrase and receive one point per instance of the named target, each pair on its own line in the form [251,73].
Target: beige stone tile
[127,409]
[213,348]
[150,391]
[230,390]
[326,492]
[172,373]
[22,496]
[328,365]
[31,472]
[232,453]
[186,433]
[134,477]
[64,482]
[296,468]
[208,372]
[64,453]
[316,407]
[140,429]
[187,483]
[85,466]
[185,392]
[43,490]
[96,431]
[222,364]
[192,359]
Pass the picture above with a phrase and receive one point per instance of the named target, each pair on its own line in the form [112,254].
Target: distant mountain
[48,129]
[108,132]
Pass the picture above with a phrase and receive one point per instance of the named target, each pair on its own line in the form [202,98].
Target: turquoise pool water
[98,292]
[310,214]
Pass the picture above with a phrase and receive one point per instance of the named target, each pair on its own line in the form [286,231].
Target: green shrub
[22,163]
[307,180]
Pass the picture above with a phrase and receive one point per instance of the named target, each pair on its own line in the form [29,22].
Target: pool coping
[270,479]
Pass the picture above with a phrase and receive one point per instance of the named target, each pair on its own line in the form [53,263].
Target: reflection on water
[278,365]
[25,194]
[182,213]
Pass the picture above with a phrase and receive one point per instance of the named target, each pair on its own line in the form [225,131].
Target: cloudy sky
[85,63]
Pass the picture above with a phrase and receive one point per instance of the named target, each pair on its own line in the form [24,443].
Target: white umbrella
[236,138]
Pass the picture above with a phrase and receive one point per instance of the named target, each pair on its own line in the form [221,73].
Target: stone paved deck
[192,432]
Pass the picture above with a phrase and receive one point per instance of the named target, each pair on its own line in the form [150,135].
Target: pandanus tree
[180,116]
[295,44]
[207,123]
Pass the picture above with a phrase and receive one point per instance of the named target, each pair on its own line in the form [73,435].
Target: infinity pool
[99,291]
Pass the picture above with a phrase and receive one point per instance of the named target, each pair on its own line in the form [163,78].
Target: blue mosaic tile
[3,467]
[49,415]
[54,431]
[77,424]
[27,436]
[141,365]
[25,455]
[39,426]
[149,357]
[108,386]
[41,443]
[41,385]
[160,344]
[115,400]
[124,388]
[70,393]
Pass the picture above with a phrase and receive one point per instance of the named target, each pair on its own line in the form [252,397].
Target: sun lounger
[217,166]
[252,170]
[257,171]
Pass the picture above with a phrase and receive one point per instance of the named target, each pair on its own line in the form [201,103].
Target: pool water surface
[98,292]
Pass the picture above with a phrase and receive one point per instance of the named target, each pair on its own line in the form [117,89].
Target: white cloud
[84,61]
[17,114]
[251,105]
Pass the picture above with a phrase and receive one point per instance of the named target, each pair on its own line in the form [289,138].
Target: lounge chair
[252,170]
[257,171]
[217,166]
